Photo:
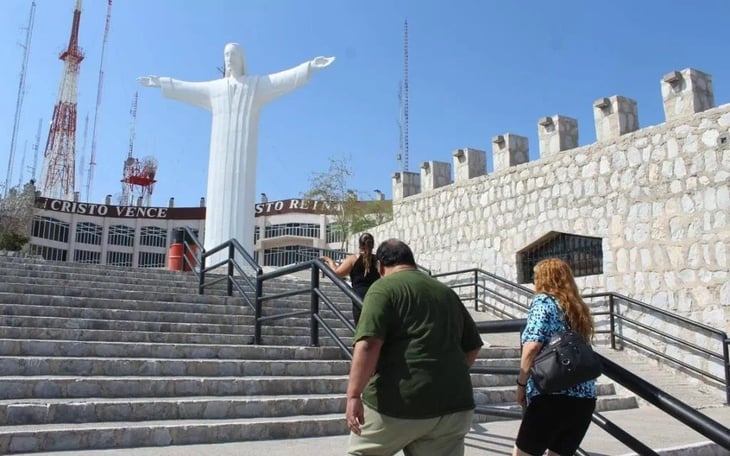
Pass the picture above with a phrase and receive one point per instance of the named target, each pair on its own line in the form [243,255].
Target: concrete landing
[650,425]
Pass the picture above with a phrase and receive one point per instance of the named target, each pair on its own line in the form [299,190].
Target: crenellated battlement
[684,93]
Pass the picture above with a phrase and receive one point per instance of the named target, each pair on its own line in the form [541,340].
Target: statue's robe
[235,103]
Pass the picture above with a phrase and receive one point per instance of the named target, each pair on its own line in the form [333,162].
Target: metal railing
[489,292]
[679,410]
[316,295]
[620,318]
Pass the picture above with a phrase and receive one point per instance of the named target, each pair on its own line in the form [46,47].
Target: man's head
[235,63]
[394,252]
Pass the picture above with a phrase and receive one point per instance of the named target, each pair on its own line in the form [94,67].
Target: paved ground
[653,427]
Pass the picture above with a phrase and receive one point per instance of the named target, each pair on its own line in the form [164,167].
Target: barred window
[88,233]
[121,235]
[584,254]
[310,230]
[282,256]
[334,233]
[151,260]
[119,259]
[50,228]
[87,256]
[49,253]
[153,236]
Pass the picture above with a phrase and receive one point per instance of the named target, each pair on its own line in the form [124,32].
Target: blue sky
[477,68]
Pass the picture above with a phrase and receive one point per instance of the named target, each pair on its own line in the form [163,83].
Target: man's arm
[471,356]
[364,362]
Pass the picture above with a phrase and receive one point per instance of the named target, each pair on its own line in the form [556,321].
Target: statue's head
[235,63]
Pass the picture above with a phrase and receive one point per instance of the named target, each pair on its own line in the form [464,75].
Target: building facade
[286,231]
[131,236]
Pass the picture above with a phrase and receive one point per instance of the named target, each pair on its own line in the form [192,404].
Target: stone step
[181,285]
[101,270]
[233,307]
[69,437]
[189,284]
[82,292]
[161,322]
[165,367]
[73,387]
[47,411]
[117,325]
[122,315]
[135,336]
[225,306]
[66,348]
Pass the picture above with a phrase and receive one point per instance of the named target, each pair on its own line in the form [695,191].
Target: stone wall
[658,197]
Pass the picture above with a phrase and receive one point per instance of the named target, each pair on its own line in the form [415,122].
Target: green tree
[351,215]
[16,216]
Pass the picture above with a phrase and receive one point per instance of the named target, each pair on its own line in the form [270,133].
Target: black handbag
[564,362]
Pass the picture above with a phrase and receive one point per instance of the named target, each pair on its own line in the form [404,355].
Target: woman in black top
[360,267]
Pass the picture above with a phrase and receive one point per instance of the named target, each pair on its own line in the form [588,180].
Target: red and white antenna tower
[59,157]
[100,86]
[138,179]
[21,96]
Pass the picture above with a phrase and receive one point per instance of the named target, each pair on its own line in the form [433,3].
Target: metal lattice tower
[36,148]
[19,100]
[59,158]
[403,98]
[138,179]
[100,86]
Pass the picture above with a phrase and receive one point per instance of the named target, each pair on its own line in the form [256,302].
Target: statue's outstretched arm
[277,84]
[194,93]
[149,81]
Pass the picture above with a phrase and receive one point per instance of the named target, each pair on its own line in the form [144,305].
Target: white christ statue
[234,102]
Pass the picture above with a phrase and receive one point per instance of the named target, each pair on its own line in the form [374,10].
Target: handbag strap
[565,316]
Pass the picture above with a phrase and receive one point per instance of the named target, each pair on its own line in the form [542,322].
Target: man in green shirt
[409,385]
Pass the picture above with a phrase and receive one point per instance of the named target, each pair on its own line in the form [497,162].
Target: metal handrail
[474,279]
[317,267]
[659,398]
[686,323]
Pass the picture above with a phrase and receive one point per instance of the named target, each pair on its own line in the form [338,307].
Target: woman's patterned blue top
[544,319]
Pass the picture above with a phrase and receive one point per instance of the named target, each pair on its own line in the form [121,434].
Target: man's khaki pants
[384,435]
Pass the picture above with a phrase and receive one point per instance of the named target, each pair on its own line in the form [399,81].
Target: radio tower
[402,156]
[36,147]
[92,162]
[138,179]
[19,100]
[59,158]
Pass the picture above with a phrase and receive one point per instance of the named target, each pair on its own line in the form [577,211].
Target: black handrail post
[612,321]
[231,256]
[314,309]
[201,281]
[476,290]
[257,310]
[726,360]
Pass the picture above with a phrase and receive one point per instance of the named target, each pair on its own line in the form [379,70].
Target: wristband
[520,384]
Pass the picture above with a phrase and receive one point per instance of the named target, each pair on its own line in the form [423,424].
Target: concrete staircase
[95,357]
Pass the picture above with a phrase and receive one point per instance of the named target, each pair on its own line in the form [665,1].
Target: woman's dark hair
[366,244]
[394,252]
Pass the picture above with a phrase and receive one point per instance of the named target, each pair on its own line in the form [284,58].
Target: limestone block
[615,116]
[557,133]
[686,92]
[509,150]
[469,163]
[405,184]
[435,174]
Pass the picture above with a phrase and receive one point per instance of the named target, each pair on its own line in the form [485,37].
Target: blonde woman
[555,422]
[361,268]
